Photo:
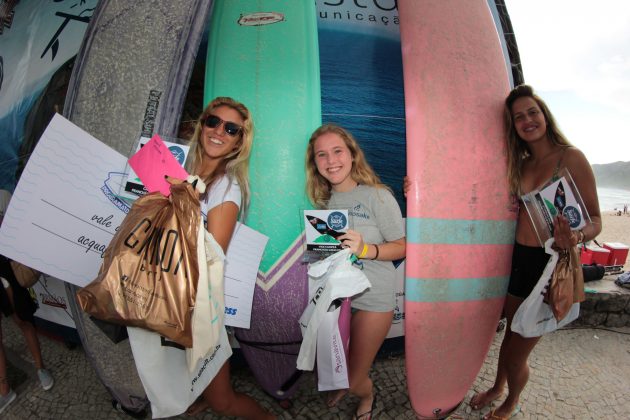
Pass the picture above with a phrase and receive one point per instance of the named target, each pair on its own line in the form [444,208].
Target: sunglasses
[232,129]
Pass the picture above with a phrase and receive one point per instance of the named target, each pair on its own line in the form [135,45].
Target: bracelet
[375,256]
[364,252]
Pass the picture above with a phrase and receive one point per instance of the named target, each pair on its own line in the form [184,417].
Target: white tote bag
[170,386]
[173,376]
[208,318]
[534,317]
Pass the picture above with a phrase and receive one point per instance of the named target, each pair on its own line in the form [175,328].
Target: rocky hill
[613,175]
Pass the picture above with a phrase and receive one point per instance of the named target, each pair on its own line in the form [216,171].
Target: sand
[615,229]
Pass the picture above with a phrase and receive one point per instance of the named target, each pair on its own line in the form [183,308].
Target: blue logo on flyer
[573,216]
[337,220]
[110,188]
[178,153]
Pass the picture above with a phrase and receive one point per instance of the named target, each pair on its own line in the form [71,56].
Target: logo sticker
[178,154]
[573,216]
[260,18]
[337,220]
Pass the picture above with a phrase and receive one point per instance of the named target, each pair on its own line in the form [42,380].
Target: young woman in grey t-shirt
[338,176]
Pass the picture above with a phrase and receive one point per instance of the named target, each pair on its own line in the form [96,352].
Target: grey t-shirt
[375,214]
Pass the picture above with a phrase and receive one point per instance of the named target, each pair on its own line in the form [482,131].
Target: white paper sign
[66,209]
[241,267]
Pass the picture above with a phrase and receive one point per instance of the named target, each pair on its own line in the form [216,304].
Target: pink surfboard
[460,224]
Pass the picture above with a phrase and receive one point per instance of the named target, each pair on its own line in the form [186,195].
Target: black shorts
[528,264]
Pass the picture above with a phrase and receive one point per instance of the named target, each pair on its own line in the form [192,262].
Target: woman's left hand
[353,240]
[562,233]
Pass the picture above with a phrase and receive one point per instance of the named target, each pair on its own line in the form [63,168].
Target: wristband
[376,256]
[364,252]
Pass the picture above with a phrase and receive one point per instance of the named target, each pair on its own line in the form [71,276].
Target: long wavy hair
[517,149]
[236,164]
[318,188]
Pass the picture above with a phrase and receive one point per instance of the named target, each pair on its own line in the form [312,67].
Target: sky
[576,55]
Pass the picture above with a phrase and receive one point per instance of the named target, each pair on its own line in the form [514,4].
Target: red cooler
[599,255]
[618,253]
[586,255]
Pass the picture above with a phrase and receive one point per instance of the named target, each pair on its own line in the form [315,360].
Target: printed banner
[38,41]
[362,90]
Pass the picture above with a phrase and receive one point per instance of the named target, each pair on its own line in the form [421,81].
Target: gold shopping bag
[149,274]
[567,283]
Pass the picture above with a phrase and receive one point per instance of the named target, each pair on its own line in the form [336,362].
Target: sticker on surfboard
[260,18]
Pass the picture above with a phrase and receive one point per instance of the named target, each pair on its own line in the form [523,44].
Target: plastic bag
[567,283]
[173,377]
[333,340]
[329,279]
[535,317]
[623,280]
[149,273]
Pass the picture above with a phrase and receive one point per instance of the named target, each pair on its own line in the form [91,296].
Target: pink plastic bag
[345,315]
[333,338]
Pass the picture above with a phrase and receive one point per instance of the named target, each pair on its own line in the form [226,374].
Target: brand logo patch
[337,220]
[260,18]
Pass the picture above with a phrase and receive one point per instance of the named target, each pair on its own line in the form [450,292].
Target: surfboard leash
[264,345]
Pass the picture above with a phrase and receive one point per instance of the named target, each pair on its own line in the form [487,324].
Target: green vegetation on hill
[613,175]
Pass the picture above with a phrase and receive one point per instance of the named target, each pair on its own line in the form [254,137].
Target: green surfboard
[265,54]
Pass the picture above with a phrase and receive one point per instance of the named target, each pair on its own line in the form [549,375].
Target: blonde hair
[236,164]
[317,187]
[517,149]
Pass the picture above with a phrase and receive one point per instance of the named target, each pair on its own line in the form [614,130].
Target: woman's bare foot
[365,408]
[503,412]
[199,406]
[335,396]
[483,399]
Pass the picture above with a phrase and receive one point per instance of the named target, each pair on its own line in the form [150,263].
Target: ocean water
[613,198]
[362,90]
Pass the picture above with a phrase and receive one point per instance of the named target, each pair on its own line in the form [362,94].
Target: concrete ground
[579,373]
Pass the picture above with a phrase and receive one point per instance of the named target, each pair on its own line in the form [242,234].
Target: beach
[615,229]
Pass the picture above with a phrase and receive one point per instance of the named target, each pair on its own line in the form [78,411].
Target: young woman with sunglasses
[339,177]
[220,149]
[536,150]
